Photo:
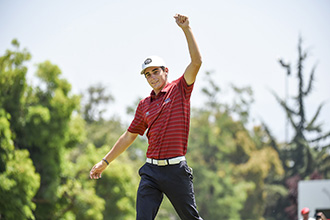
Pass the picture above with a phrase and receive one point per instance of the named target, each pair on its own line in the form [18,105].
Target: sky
[106,41]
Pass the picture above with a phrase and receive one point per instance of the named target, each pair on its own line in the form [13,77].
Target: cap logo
[147,61]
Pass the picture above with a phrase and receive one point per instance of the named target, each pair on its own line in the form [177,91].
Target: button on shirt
[167,118]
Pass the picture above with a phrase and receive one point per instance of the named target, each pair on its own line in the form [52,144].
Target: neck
[156,91]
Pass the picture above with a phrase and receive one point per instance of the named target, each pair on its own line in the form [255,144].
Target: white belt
[164,162]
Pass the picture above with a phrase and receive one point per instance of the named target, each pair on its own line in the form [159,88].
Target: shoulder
[179,81]
[145,101]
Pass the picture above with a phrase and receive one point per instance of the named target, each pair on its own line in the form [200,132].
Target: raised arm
[120,146]
[195,56]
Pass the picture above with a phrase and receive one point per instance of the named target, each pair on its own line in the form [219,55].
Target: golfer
[165,114]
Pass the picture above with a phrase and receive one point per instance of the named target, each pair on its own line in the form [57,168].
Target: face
[156,77]
[305,216]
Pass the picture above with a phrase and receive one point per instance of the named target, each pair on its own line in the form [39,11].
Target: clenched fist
[181,20]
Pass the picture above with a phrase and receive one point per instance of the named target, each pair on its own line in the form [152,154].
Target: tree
[47,133]
[19,181]
[96,96]
[40,123]
[302,159]
[119,182]
[306,155]
[230,162]
[218,195]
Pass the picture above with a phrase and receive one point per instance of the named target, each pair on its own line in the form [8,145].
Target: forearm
[196,59]
[195,55]
[120,146]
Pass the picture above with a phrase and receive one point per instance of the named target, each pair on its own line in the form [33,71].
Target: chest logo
[167,100]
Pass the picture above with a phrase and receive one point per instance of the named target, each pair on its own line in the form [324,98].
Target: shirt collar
[164,90]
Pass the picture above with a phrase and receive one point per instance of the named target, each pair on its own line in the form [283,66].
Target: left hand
[181,20]
[96,171]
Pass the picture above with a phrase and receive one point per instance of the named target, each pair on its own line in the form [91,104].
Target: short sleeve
[138,125]
[185,88]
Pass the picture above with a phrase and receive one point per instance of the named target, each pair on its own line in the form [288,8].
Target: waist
[165,162]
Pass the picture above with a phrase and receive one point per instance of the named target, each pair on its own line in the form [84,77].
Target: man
[320,216]
[305,214]
[166,115]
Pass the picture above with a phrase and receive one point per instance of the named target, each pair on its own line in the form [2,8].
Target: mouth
[154,82]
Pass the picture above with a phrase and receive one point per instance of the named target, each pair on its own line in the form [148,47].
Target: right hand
[96,171]
[181,20]
[322,215]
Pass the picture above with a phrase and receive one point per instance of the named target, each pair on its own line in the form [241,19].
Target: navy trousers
[175,181]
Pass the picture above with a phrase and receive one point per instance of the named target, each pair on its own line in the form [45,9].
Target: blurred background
[70,82]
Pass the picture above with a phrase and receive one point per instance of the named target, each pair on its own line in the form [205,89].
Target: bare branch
[320,137]
[287,66]
[311,123]
[311,80]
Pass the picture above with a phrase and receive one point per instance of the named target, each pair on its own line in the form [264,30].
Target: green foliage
[19,181]
[77,192]
[18,178]
[13,84]
[230,163]
[229,167]
[41,124]
[48,133]
[96,96]
[118,187]
[119,182]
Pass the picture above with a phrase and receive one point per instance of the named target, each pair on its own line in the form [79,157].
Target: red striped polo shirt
[167,118]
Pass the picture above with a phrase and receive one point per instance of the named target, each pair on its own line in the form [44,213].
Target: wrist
[105,161]
[185,28]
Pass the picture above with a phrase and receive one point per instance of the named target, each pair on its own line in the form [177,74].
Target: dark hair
[163,68]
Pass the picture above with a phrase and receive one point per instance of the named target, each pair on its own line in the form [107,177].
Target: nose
[152,76]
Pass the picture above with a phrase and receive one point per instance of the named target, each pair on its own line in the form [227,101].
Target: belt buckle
[162,162]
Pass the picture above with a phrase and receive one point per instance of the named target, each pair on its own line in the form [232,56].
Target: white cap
[152,61]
